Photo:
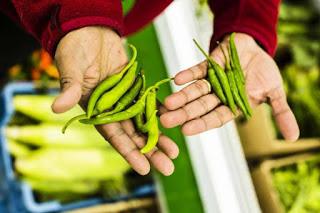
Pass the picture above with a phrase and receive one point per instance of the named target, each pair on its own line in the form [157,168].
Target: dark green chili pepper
[226,85]
[237,76]
[132,111]
[235,59]
[126,99]
[223,79]
[213,79]
[243,95]
[108,99]
[235,93]
[139,119]
[153,135]
[109,83]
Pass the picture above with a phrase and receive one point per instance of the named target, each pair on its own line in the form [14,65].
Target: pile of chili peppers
[228,83]
[124,96]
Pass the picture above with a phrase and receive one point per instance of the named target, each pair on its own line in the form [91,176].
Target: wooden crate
[259,140]
[262,178]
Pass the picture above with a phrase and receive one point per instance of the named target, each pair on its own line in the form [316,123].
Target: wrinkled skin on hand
[85,57]
[198,111]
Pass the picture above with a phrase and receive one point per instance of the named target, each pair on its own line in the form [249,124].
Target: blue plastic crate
[17,196]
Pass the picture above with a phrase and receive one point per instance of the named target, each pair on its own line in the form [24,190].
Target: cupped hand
[85,57]
[198,110]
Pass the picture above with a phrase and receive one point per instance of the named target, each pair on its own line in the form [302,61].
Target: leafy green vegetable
[298,186]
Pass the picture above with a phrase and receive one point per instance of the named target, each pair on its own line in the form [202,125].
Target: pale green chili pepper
[108,83]
[132,111]
[153,135]
[126,99]
[108,99]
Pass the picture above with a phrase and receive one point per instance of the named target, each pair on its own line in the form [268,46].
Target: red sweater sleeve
[257,18]
[49,20]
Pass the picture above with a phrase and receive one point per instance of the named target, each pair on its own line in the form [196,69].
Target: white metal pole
[220,167]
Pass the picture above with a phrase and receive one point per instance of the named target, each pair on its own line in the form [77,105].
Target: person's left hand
[198,111]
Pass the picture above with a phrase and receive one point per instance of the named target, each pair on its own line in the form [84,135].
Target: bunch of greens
[298,186]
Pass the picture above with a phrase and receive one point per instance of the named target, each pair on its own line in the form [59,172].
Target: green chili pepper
[126,99]
[243,95]
[235,93]
[109,83]
[146,126]
[223,79]
[108,99]
[132,111]
[76,118]
[226,85]
[139,119]
[151,109]
[237,75]
[235,58]
[151,103]
[213,79]
[153,135]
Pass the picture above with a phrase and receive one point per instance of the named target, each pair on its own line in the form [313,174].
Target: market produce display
[298,186]
[124,96]
[38,67]
[67,168]
[229,83]
[298,57]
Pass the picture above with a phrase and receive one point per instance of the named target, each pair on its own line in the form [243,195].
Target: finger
[196,108]
[187,94]
[168,146]
[158,159]
[68,98]
[196,72]
[117,137]
[214,119]
[284,117]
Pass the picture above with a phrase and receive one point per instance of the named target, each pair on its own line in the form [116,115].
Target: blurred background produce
[298,186]
[34,140]
[67,168]
[298,56]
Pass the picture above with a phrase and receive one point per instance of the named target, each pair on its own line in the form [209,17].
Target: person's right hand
[85,57]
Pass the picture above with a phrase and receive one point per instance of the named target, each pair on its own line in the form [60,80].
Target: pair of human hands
[86,56]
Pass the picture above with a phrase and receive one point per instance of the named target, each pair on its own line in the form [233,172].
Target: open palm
[87,56]
[198,110]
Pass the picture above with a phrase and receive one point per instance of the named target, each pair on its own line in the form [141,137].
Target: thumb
[68,98]
[284,117]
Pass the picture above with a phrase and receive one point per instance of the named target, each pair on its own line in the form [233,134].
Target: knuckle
[203,104]
[184,93]
[186,111]
[219,118]
[113,135]
[152,153]
[196,72]
[205,124]
[127,155]
[201,87]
